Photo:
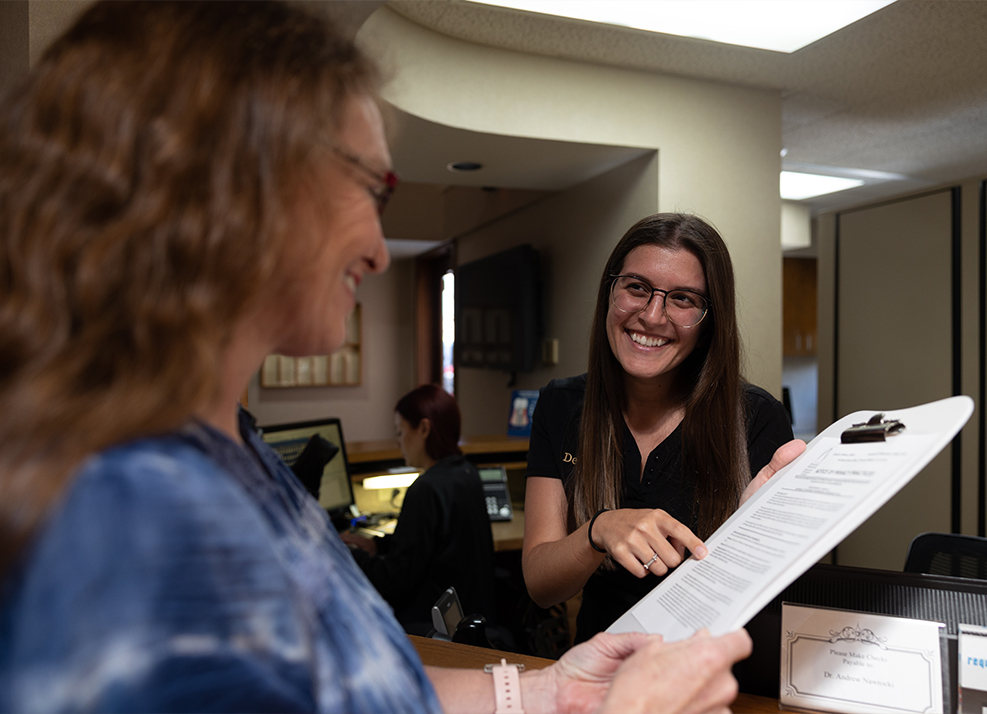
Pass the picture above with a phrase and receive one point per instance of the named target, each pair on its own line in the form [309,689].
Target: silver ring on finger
[651,562]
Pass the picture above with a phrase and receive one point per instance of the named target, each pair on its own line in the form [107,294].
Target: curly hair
[148,168]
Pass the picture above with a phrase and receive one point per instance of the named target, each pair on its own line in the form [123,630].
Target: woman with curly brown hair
[184,189]
[634,462]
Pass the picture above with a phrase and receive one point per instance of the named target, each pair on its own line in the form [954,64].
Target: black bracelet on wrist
[589,532]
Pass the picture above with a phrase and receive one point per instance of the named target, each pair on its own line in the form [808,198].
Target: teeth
[350,282]
[649,341]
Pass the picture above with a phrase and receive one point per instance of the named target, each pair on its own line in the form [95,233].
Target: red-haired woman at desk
[186,188]
[443,535]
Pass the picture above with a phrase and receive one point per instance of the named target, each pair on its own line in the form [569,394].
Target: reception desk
[437,653]
[366,457]
[509,535]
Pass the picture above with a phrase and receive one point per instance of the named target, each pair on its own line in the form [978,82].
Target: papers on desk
[797,517]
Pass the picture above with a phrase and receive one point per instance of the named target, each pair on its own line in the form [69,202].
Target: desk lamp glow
[398,478]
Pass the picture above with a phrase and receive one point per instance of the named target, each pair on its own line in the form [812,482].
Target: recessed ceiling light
[464,166]
[797,186]
[779,25]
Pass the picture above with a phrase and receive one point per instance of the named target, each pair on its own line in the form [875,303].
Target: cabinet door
[894,350]
[799,308]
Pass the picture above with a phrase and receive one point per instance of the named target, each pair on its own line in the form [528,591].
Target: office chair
[948,554]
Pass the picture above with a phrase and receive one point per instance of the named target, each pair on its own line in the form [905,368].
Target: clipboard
[708,594]
[877,428]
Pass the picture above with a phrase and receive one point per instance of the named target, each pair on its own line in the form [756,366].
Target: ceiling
[901,93]
[421,151]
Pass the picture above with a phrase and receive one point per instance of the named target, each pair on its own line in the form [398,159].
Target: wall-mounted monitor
[498,311]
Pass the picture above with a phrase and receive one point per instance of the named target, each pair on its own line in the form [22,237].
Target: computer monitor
[288,440]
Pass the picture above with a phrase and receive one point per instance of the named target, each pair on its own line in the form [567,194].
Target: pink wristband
[507,686]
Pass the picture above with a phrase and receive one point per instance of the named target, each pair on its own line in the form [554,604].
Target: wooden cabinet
[799,306]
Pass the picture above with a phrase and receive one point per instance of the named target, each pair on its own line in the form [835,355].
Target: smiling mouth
[645,341]
[350,282]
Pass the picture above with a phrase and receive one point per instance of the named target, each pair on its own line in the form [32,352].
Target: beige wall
[719,157]
[388,366]
[49,18]
[574,232]
[796,226]
[14,44]
[719,145]
[26,30]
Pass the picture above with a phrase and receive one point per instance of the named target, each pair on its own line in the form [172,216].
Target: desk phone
[496,493]
[446,614]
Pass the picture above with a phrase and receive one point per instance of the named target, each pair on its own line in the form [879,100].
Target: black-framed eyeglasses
[685,308]
[384,183]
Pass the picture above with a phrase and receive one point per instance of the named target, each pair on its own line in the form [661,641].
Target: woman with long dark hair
[186,188]
[442,538]
[633,463]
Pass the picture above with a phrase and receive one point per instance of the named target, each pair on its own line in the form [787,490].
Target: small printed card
[859,663]
[972,668]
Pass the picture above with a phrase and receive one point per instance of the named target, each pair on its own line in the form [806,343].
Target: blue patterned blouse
[188,573]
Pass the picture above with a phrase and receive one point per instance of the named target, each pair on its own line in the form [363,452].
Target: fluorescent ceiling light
[796,186]
[779,25]
[868,175]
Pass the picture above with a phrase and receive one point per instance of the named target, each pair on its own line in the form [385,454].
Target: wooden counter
[437,653]
[367,456]
[359,452]
[509,535]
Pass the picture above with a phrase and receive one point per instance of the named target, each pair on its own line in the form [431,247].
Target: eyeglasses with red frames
[385,183]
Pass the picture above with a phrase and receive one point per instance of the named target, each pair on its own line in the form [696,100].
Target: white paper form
[793,520]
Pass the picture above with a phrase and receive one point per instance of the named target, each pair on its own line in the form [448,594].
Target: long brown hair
[149,165]
[714,445]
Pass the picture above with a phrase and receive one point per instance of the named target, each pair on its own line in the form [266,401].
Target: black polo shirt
[554,443]
[442,539]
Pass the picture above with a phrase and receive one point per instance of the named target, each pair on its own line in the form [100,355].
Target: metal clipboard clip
[874,429]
